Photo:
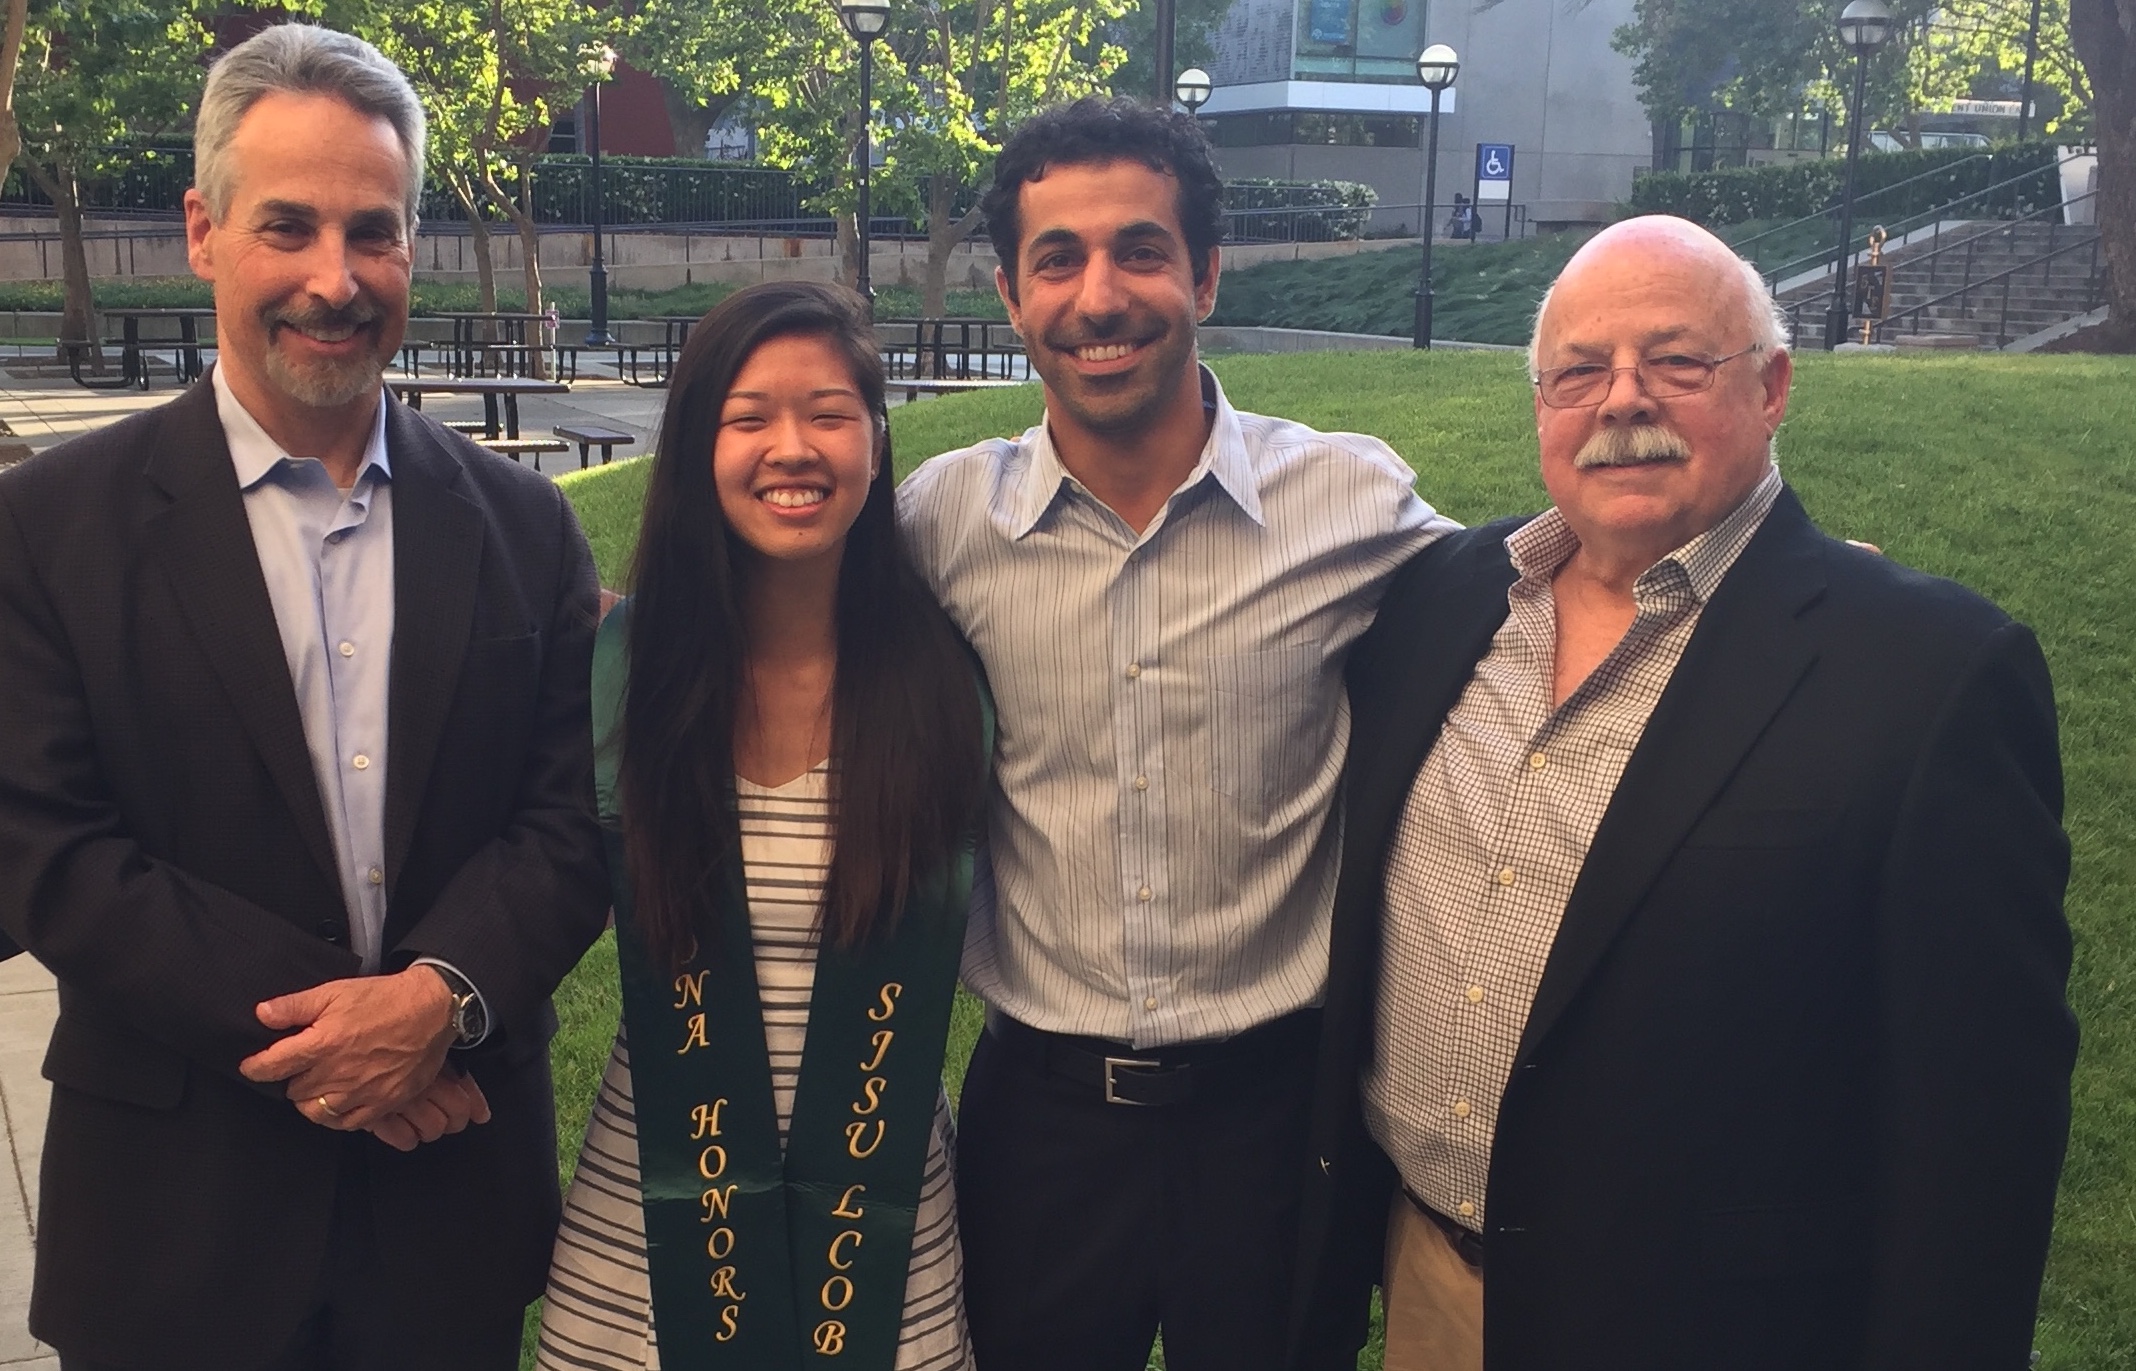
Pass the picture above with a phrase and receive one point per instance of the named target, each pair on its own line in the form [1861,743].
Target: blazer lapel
[1744,660]
[1419,680]
[437,556]
[204,541]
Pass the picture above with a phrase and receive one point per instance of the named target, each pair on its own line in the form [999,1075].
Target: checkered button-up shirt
[1492,839]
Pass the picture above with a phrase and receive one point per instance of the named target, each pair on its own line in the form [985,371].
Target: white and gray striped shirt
[597,1313]
[1160,857]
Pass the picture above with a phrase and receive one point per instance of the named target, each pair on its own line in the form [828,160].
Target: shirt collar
[1545,543]
[1223,457]
[256,456]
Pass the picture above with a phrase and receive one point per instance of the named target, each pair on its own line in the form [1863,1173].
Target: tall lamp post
[1192,89]
[1863,26]
[1437,66]
[600,64]
[865,20]
[2032,55]
[1165,14]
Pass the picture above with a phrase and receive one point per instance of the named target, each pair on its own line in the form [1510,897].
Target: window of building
[1279,128]
[1358,40]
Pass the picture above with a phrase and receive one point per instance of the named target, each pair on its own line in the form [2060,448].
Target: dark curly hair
[1094,130]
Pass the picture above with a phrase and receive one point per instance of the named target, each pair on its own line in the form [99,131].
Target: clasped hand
[369,1052]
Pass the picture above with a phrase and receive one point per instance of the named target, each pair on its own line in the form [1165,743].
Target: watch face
[466,1018]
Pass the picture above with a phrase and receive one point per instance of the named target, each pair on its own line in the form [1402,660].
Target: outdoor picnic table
[500,395]
[133,364]
[674,332]
[966,347]
[468,326]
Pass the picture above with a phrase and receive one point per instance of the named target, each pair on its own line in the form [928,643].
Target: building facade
[1327,89]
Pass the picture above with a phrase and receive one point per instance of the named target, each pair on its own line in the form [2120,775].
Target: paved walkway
[28,1004]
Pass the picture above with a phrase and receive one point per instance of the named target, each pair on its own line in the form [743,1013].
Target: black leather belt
[1467,1241]
[1158,1075]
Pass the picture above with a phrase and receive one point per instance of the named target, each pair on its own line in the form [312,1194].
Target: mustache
[1634,446]
[355,314]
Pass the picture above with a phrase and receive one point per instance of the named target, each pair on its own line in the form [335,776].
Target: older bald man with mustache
[1698,953]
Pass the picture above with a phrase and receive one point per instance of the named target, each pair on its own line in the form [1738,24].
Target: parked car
[1881,141]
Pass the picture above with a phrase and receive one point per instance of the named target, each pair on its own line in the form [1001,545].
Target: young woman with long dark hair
[792,749]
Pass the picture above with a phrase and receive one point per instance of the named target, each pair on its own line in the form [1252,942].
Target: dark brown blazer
[163,849]
[1795,1087]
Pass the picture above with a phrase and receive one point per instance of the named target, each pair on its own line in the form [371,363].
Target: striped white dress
[597,1312]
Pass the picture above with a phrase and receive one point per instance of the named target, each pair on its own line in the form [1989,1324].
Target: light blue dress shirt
[327,556]
[1161,846]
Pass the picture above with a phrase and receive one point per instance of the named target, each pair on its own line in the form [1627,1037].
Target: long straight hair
[905,715]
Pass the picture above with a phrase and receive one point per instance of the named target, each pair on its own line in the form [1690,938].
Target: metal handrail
[1970,241]
[1917,220]
[2095,290]
[1896,185]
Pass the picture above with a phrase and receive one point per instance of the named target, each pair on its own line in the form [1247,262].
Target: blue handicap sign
[1494,161]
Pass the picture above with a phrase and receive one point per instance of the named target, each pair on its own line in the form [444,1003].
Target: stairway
[1974,251]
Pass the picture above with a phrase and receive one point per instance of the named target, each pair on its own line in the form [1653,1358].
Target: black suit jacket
[163,849]
[1795,1086]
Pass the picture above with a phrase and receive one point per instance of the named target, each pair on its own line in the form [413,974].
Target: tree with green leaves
[96,77]
[1767,58]
[971,72]
[545,52]
[703,54]
[444,48]
[951,78]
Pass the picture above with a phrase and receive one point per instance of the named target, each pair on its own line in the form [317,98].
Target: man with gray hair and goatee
[1698,952]
[296,796]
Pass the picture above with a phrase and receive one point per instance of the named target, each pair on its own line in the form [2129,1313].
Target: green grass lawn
[1482,292]
[2015,475]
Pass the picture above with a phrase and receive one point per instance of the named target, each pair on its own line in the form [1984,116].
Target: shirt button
[1143,894]
[1150,1003]
[348,649]
[1537,761]
[1134,670]
[375,876]
[1505,875]
[1461,1109]
[1142,783]
[360,762]
[1475,994]
[1466,1209]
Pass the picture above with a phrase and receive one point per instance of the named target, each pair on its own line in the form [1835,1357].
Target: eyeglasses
[1664,377]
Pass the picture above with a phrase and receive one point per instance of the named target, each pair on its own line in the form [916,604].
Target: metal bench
[590,436]
[514,448]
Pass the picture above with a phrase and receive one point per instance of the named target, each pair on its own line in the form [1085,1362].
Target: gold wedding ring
[330,1111]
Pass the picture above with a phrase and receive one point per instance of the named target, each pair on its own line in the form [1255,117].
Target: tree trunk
[478,233]
[77,318]
[943,235]
[18,18]
[2105,36]
[690,121]
[849,248]
[521,213]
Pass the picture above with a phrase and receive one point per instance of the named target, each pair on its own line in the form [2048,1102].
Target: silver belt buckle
[1112,1096]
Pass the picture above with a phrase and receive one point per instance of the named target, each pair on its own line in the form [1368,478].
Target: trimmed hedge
[1348,206]
[1790,190]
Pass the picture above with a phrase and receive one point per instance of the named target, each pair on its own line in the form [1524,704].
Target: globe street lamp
[1437,66]
[600,65]
[865,20]
[1863,26]
[1192,89]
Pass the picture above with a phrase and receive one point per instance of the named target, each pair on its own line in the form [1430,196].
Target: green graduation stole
[758,1261]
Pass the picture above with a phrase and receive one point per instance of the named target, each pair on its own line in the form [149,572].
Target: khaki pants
[1434,1299]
